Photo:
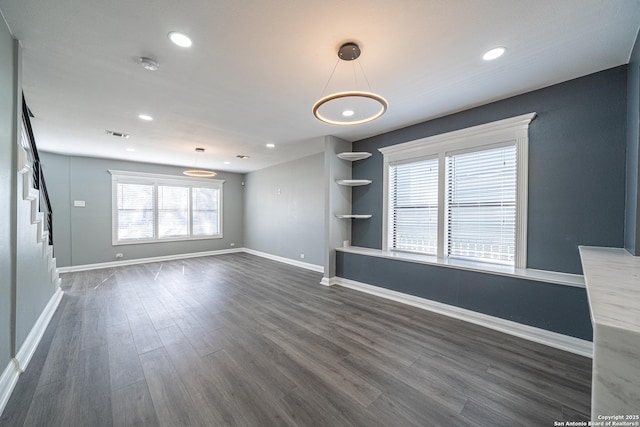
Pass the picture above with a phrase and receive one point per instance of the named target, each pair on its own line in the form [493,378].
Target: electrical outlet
[232,244]
[302,256]
[119,255]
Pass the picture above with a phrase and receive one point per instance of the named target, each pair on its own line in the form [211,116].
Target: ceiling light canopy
[180,39]
[494,53]
[350,107]
[199,173]
[270,145]
[145,117]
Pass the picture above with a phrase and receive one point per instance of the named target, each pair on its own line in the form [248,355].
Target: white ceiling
[256,67]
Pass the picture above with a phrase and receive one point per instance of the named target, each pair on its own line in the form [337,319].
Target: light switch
[78,203]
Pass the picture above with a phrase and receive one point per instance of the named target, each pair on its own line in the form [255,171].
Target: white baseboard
[8,381]
[542,336]
[326,281]
[121,263]
[33,339]
[18,364]
[306,265]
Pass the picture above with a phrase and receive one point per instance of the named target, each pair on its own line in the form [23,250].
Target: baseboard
[18,364]
[8,381]
[30,344]
[542,336]
[121,263]
[306,265]
[326,281]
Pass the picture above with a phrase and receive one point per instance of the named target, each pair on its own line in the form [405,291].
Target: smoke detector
[149,64]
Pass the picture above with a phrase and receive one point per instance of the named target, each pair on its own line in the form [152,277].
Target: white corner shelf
[353,156]
[353,182]
[348,216]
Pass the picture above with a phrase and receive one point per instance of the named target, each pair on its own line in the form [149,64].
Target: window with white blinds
[481,204]
[413,206]
[135,211]
[462,194]
[154,208]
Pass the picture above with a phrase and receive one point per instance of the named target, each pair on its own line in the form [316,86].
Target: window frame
[129,177]
[514,130]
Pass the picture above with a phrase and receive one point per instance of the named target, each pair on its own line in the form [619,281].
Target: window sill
[177,239]
[554,277]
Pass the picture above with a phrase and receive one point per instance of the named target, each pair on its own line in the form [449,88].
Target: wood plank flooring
[243,341]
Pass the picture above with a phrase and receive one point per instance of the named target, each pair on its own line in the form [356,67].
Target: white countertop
[612,277]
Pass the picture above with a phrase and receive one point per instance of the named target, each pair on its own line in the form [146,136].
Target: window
[156,208]
[462,194]
[413,206]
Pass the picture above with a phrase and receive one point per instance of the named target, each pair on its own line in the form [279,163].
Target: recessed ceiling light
[494,53]
[348,113]
[227,163]
[180,39]
[242,156]
[145,117]
[129,149]
[271,145]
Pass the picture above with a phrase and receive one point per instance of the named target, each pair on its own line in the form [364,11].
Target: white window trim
[155,179]
[514,130]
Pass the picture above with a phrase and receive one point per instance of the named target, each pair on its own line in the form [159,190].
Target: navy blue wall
[557,308]
[632,220]
[576,166]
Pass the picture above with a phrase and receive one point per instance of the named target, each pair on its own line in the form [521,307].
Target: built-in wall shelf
[348,216]
[353,156]
[353,182]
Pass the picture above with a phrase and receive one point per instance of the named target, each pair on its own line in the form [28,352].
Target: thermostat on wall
[78,203]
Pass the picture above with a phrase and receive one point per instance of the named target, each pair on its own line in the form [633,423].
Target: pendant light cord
[330,76]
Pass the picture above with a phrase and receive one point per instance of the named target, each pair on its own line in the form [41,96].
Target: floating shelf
[353,216]
[353,182]
[353,156]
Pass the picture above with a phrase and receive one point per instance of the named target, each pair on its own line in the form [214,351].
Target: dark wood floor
[240,340]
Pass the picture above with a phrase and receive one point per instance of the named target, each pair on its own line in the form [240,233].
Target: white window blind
[413,206]
[205,211]
[481,204]
[173,211]
[135,210]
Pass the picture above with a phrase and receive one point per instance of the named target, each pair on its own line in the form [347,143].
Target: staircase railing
[38,176]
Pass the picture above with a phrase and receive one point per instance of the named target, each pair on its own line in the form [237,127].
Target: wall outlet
[119,255]
[79,203]
[302,256]
[232,244]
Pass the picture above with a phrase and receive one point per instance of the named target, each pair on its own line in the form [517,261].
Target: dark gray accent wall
[83,235]
[632,219]
[557,308]
[576,166]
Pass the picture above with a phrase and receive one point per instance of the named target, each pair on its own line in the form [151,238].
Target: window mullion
[156,215]
[190,212]
[441,204]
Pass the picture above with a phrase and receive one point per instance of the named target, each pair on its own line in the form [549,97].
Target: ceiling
[256,67]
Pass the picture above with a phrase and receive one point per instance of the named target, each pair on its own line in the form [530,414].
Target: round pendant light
[351,107]
[199,173]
